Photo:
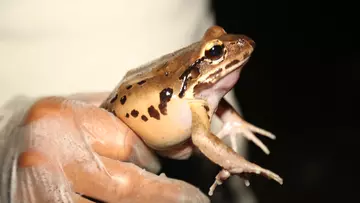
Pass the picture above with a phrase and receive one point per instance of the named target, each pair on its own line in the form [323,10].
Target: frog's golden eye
[215,52]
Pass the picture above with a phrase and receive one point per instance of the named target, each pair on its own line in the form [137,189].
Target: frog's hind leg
[218,152]
[234,125]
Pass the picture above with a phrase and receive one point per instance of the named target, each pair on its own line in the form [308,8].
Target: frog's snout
[245,39]
[252,43]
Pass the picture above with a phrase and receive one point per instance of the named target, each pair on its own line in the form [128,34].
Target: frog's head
[220,59]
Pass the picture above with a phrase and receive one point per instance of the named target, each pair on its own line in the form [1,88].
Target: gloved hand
[63,149]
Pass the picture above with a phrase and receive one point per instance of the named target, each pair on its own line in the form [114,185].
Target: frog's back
[159,67]
[146,100]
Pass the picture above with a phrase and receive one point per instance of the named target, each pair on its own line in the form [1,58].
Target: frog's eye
[215,52]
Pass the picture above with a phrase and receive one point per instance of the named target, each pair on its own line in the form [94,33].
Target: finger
[125,182]
[83,124]
[113,139]
[38,179]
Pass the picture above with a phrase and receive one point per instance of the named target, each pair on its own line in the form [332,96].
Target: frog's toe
[248,167]
[219,179]
[235,128]
[258,130]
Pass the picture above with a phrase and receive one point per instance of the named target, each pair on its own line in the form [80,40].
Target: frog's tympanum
[170,102]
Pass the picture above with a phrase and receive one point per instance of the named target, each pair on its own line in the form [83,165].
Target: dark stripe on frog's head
[229,65]
[141,82]
[201,86]
[192,72]
[214,75]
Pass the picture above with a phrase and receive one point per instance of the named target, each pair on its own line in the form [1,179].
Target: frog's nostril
[247,39]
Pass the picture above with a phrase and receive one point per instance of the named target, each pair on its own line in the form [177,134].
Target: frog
[170,102]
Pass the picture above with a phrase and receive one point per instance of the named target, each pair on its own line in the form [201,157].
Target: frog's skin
[170,102]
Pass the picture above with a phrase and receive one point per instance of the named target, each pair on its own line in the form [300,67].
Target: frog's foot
[234,124]
[247,167]
[221,177]
[231,162]
[219,153]
[243,172]
[247,130]
[243,169]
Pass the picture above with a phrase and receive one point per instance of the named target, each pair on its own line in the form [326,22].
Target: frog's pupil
[214,52]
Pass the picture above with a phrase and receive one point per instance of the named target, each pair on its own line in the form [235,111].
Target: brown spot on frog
[134,113]
[123,99]
[153,112]
[165,96]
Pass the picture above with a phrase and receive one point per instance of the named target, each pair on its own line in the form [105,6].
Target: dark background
[299,84]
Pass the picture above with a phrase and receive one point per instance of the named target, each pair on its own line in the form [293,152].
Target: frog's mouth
[228,81]
[230,68]
[222,82]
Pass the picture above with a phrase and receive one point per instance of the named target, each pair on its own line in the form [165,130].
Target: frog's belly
[159,131]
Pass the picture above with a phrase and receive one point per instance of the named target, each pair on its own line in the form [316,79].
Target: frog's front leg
[235,125]
[214,149]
